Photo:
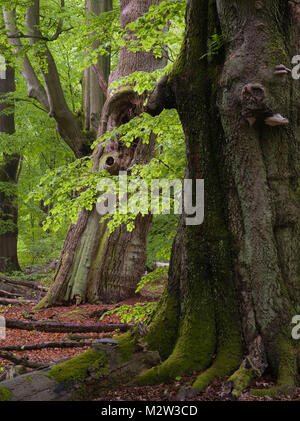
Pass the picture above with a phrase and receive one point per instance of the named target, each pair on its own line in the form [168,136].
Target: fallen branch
[66,327]
[7,301]
[22,360]
[24,283]
[45,345]
[74,337]
[7,294]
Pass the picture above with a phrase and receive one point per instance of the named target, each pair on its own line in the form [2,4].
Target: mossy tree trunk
[234,281]
[8,175]
[95,264]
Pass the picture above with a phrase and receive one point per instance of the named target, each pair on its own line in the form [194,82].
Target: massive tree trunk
[8,174]
[234,281]
[95,264]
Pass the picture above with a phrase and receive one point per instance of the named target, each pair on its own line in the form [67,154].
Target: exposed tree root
[274,392]
[163,329]
[194,347]
[241,379]
[287,372]
[224,365]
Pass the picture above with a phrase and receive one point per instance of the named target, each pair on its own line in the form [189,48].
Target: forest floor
[85,314]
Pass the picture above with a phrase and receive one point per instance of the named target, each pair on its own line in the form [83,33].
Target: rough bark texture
[93,96]
[236,277]
[8,174]
[234,281]
[95,264]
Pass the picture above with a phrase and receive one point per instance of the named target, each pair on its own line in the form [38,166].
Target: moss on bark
[5,394]
[77,367]
[164,326]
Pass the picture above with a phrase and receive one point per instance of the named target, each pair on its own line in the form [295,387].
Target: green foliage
[73,186]
[53,187]
[67,189]
[160,30]
[158,275]
[215,44]
[160,238]
[140,81]
[132,313]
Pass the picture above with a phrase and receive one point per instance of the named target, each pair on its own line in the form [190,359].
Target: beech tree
[9,167]
[233,281]
[95,264]
[99,264]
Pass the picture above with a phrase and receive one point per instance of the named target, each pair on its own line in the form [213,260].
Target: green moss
[5,394]
[28,379]
[103,371]
[80,394]
[242,379]
[76,368]
[178,67]
[163,328]
[281,355]
[196,341]
[225,364]
[127,343]
[287,367]
[276,49]
[273,392]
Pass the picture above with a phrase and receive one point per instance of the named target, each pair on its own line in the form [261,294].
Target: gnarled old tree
[9,165]
[234,281]
[94,263]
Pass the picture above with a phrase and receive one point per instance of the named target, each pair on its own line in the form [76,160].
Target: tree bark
[93,96]
[234,281]
[50,96]
[65,327]
[21,282]
[95,264]
[8,174]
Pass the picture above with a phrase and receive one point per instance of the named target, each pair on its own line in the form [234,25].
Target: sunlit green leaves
[132,313]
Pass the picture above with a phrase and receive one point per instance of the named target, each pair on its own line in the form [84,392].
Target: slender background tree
[9,172]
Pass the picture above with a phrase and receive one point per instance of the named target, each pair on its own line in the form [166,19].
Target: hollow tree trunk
[8,174]
[234,281]
[95,264]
